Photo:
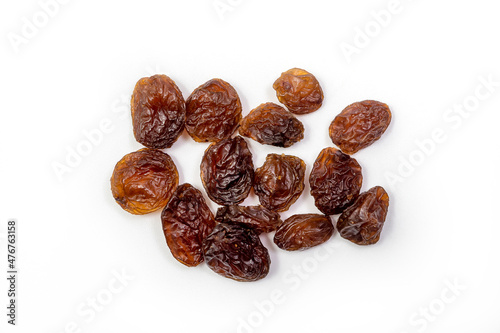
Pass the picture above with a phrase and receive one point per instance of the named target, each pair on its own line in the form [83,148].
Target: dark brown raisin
[335,181]
[303,231]
[258,218]
[227,171]
[359,125]
[213,111]
[362,223]
[158,111]
[237,253]
[299,90]
[187,221]
[271,124]
[279,182]
[144,181]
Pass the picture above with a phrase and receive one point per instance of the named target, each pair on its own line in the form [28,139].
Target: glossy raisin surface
[213,111]
[227,171]
[158,111]
[237,253]
[359,125]
[303,231]
[271,124]
[279,182]
[187,221]
[335,181]
[362,223]
[258,218]
[299,91]
[143,181]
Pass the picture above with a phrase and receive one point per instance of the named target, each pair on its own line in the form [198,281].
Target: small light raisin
[299,91]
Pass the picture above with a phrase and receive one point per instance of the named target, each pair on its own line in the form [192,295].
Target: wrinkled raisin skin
[237,253]
[258,218]
[143,181]
[279,182]
[158,111]
[362,223]
[187,221]
[213,111]
[303,231]
[359,125]
[335,181]
[271,124]
[227,171]
[299,91]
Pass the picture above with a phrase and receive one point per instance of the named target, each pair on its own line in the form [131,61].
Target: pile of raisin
[148,180]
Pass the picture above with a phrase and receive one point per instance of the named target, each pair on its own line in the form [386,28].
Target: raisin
[213,111]
[271,124]
[279,182]
[227,171]
[299,90]
[236,252]
[158,111]
[362,223]
[258,218]
[359,125]
[143,181]
[187,221]
[335,181]
[303,231]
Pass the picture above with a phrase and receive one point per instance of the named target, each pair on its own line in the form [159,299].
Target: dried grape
[158,111]
[299,90]
[143,181]
[187,221]
[335,181]
[213,111]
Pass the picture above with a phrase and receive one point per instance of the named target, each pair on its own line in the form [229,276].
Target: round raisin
[143,181]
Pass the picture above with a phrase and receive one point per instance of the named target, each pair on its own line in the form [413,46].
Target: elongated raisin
[299,90]
[303,231]
[362,223]
[280,181]
[187,221]
[213,111]
[335,181]
[359,125]
[227,171]
[258,218]
[143,181]
[237,253]
[158,111]
[271,124]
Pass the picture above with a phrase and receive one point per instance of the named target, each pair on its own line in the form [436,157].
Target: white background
[77,72]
